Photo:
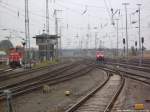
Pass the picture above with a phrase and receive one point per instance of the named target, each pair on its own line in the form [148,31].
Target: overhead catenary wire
[12,9]
[109,3]
[107,9]
[76,11]
[22,15]
[81,4]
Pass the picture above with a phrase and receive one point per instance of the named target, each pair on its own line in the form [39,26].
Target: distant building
[3,57]
[6,45]
[47,45]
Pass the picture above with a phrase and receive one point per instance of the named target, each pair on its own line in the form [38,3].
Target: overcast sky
[75,17]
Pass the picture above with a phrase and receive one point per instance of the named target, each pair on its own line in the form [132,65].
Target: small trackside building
[47,45]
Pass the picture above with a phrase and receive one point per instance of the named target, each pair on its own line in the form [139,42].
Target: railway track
[9,74]
[102,98]
[39,77]
[54,77]
[146,63]
[145,69]
[2,71]
[141,78]
[12,74]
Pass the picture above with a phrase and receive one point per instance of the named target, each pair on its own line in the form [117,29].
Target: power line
[22,15]
[81,4]
[11,10]
[14,12]
[13,7]
[75,11]
[107,9]
[109,3]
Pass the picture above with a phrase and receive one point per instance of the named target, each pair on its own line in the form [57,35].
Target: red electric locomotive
[100,56]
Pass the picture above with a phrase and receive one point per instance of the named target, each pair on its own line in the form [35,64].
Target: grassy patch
[45,63]
[3,66]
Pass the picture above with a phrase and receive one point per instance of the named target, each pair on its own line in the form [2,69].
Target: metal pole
[140,50]
[56,31]
[26,40]
[95,41]
[47,28]
[8,98]
[125,4]
[124,50]
[117,38]
[60,46]
[142,39]
[27,33]
[47,17]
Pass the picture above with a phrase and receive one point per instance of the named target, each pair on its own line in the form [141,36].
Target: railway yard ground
[56,99]
[77,86]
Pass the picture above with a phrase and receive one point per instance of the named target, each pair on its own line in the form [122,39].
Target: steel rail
[128,74]
[145,69]
[85,98]
[50,81]
[41,76]
[89,95]
[114,98]
[5,76]
[53,81]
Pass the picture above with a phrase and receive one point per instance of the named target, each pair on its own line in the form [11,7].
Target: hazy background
[75,17]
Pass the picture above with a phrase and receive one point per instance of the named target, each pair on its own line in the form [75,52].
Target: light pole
[117,38]
[124,42]
[125,4]
[8,95]
[96,33]
[136,46]
[142,39]
[27,33]
[140,49]
[113,23]
[47,17]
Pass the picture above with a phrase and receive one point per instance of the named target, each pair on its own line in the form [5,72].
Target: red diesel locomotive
[100,56]
[15,57]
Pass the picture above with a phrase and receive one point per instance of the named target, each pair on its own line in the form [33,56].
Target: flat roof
[44,35]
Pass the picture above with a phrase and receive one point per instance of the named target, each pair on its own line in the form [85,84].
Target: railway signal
[23,43]
[142,41]
[124,42]
[136,46]
[135,43]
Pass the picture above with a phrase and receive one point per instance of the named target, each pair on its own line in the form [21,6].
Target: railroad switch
[139,106]
[67,93]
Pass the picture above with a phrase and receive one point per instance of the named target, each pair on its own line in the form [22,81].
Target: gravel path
[134,92]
